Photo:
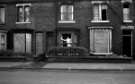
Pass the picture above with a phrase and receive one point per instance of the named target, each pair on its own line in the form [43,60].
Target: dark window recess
[65,36]
[126,32]
[104,15]
[126,5]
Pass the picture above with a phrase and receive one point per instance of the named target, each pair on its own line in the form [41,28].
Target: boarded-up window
[100,41]
[2,15]
[22,42]
[39,43]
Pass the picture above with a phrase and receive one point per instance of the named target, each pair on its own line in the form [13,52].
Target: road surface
[65,77]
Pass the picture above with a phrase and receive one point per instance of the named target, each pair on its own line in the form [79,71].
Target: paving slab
[91,66]
[11,64]
[69,66]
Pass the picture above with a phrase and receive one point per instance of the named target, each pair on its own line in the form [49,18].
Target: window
[67,13]
[126,12]
[23,42]
[100,40]
[67,39]
[2,15]
[23,13]
[100,13]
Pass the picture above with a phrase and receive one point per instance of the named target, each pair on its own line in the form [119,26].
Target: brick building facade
[103,27]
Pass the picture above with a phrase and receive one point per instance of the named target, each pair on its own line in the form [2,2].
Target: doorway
[127,42]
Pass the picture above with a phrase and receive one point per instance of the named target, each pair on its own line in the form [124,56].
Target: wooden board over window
[22,42]
[100,41]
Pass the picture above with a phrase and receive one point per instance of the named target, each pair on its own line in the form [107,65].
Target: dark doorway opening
[127,42]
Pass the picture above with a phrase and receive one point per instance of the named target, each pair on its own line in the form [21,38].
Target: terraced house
[103,27]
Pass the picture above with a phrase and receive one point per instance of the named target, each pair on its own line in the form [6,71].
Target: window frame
[125,19]
[3,17]
[26,40]
[23,5]
[100,8]
[92,37]
[61,20]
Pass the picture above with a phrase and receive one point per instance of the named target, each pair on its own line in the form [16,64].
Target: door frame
[131,36]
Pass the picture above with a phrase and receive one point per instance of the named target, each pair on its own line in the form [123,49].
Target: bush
[67,51]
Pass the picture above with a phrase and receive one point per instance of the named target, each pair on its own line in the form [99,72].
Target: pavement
[69,66]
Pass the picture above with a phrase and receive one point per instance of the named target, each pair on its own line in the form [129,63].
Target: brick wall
[44,19]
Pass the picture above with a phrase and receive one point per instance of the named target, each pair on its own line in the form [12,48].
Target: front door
[127,42]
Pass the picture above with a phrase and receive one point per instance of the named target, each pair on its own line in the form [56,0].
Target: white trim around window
[100,21]
[23,22]
[128,21]
[66,21]
[99,2]
[24,4]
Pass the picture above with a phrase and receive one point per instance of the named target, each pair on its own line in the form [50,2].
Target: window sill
[23,22]
[127,21]
[98,21]
[66,21]
[110,53]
